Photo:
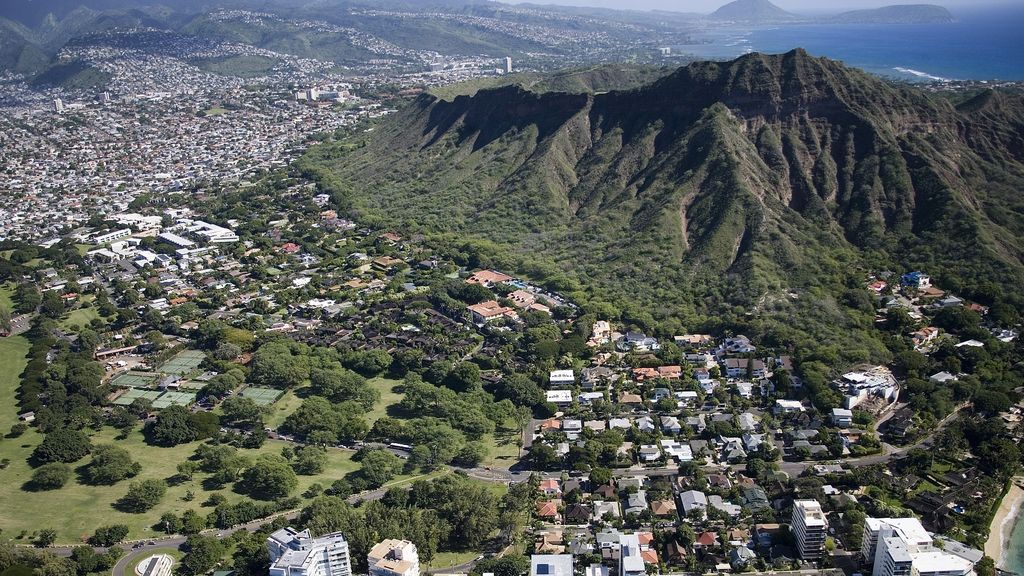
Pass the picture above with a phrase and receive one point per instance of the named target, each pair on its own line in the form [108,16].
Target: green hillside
[756,189]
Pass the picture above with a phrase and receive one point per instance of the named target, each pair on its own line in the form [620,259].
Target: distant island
[898,14]
[765,12]
[753,11]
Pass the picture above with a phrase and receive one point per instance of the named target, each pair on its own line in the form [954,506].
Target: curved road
[148,546]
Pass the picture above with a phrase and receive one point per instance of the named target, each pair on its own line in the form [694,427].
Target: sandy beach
[1002,522]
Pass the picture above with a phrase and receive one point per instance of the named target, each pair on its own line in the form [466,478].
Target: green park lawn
[80,317]
[388,397]
[285,405]
[6,294]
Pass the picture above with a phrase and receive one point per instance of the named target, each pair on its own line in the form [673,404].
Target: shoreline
[1003,523]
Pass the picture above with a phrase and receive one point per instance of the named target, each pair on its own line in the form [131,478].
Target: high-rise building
[294,553]
[58,105]
[105,98]
[809,525]
[393,558]
[902,547]
[508,64]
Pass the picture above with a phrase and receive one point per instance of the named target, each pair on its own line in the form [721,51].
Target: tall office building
[294,553]
[809,525]
[902,547]
[105,98]
[393,558]
[508,64]
[58,105]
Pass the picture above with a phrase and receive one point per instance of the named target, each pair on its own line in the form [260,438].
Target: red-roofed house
[488,278]
[550,487]
[549,511]
[650,556]
[706,540]
[485,312]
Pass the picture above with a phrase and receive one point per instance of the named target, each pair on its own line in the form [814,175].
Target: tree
[227,351]
[985,567]
[269,478]
[192,522]
[542,457]
[310,460]
[368,362]
[242,411]
[143,495]
[202,554]
[378,467]
[62,445]
[5,319]
[50,476]
[170,523]
[471,455]
[107,536]
[110,464]
[52,306]
[46,537]
[276,365]
[340,384]
[187,469]
[173,426]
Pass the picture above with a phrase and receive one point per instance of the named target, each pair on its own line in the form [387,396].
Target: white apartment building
[294,553]
[902,547]
[393,558]
[111,236]
[630,561]
[809,526]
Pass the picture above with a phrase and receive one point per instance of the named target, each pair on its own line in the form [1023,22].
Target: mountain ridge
[730,176]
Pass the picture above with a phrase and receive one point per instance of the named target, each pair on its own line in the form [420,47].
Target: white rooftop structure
[630,562]
[295,553]
[562,377]
[551,565]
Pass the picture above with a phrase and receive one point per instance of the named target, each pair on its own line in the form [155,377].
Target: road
[488,475]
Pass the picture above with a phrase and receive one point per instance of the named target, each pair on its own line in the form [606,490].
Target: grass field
[282,408]
[81,317]
[388,398]
[6,294]
[502,447]
[444,560]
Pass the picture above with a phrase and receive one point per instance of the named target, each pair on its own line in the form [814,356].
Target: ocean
[983,44]
[1013,555]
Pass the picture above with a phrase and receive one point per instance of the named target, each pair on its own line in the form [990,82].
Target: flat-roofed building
[295,553]
[551,565]
[393,558]
[631,563]
[809,526]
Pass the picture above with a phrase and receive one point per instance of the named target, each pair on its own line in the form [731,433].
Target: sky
[803,6]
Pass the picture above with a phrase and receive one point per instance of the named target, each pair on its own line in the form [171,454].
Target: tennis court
[134,380]
[183,362]
[261,396]
[172,398]
[131,395]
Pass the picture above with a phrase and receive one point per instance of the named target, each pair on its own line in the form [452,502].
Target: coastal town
[244,316]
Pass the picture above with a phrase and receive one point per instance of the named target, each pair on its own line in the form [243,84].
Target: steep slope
[737,180]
